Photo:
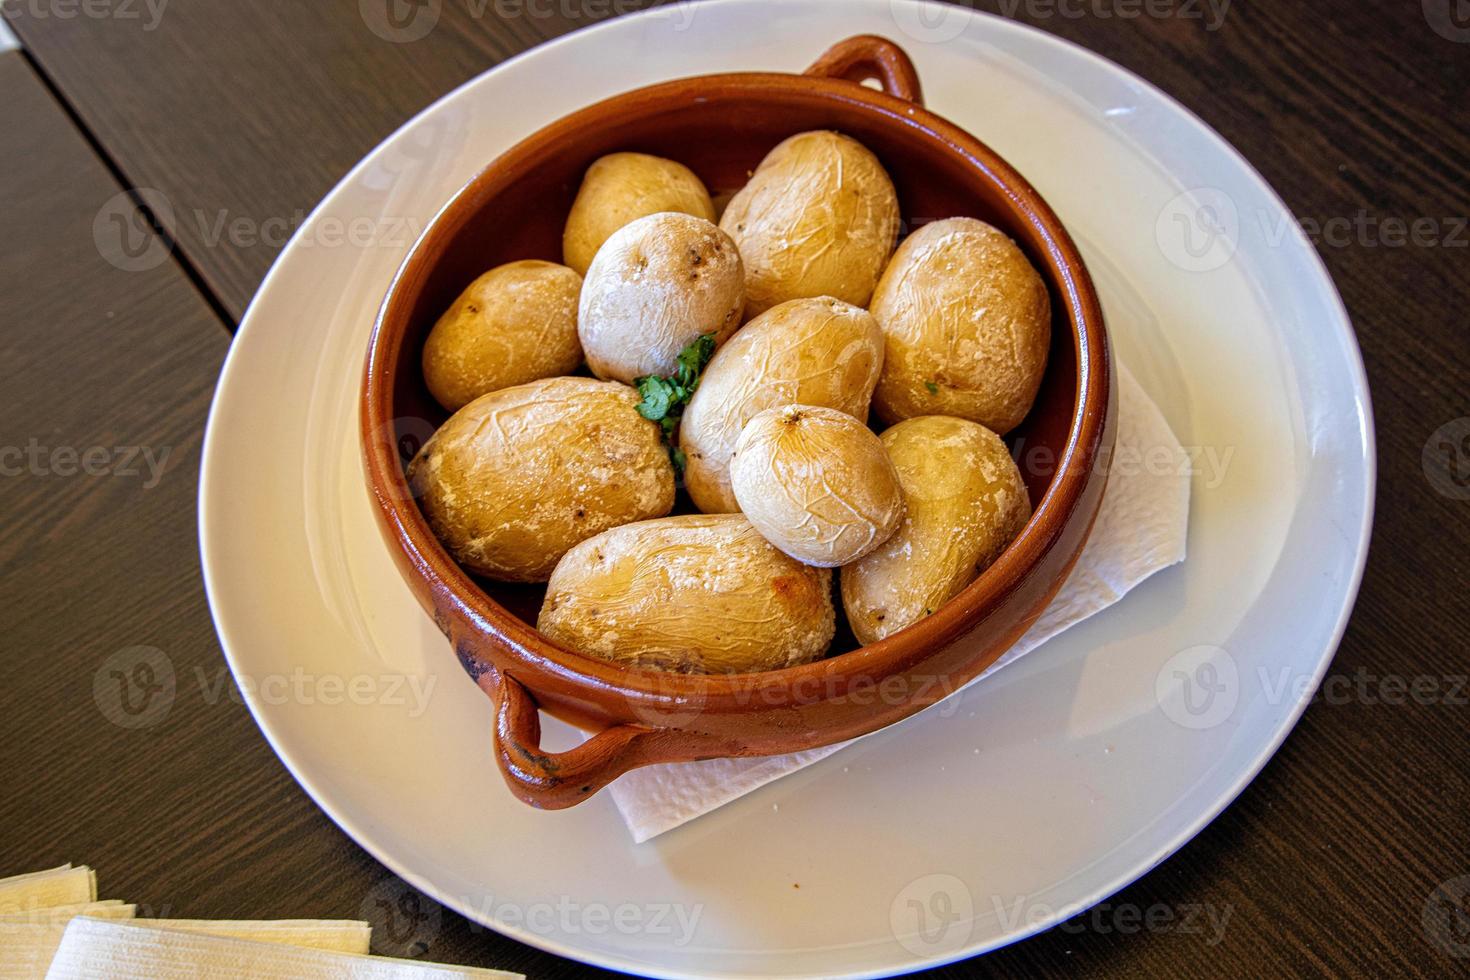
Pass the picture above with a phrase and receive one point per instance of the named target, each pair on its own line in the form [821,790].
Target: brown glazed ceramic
[721,126]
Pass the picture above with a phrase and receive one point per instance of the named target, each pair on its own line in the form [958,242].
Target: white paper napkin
[1141,529]
[93,949]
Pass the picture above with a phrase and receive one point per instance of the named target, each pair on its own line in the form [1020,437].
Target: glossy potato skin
[817,483]
[619,189]
[515,324]
[819,217]
[966,504]
[656,286]
[811,352]
[519,476]
[693,594]
[966,324]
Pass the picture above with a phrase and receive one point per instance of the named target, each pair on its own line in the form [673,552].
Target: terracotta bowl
[721,126]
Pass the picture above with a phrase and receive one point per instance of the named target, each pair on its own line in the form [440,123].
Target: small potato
[819,217]
[656,286]
[817,483]
[518,476]
[967,325]
[516,323]
[966,504]
[808,352]
[621,188]
[694,594]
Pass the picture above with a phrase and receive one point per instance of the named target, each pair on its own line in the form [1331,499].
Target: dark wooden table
[1331,862]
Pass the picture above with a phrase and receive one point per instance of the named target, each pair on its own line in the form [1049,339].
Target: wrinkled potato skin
[692,594]
[656,286]
[517,477]
[819,217]
[621,188]
[962,309]
[515,324]
[966,504]
[817,483]
[809,352]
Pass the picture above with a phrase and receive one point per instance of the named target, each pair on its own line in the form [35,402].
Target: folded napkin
[337,937]
[96,949]
[51,925]
[28,940]
[41,889]
[1141,529]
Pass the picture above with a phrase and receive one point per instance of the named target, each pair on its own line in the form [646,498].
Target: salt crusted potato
[621,188]
[966,504]
[819,217]
[694,594]
[967,327]
[656,286]
[817,483]
[517,477]
[810,352]
[516,323]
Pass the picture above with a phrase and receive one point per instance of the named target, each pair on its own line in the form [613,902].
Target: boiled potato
[966,504]
[967,326]
[656,286]
[621,188]
[695,594]
[518,476]
[809,352]
[516,323]
[818,218]
[817,483]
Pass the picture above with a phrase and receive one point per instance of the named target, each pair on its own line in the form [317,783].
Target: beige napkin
[52,925]
[65,885]
[96,949]
[1141,529]
[334,936]
[28,940]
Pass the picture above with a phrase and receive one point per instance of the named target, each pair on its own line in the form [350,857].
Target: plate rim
[1342,325]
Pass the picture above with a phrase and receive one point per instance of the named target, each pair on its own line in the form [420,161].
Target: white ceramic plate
[1041,792]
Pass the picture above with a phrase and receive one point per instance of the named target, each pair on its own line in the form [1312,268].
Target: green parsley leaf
[933,388]
[692,360]
[658,398]
[664,399]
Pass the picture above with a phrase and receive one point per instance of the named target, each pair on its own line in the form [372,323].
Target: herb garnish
[664,399]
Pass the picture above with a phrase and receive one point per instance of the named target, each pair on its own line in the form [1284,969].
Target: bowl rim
[836,675]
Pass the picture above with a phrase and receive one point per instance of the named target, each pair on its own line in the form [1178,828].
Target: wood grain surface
[1357,113]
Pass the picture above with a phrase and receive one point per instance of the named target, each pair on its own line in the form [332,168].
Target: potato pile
[742,353]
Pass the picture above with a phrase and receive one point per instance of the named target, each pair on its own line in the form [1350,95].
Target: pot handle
[869,56]
[557,780]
